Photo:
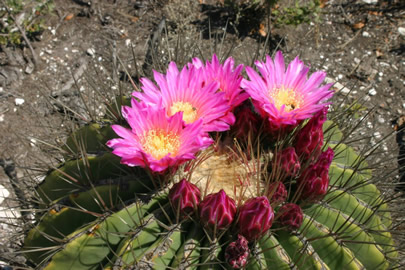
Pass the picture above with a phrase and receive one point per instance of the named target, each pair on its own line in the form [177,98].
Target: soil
[98,47]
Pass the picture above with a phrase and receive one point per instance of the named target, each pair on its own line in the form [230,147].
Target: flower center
[217,171]
[288,97]
[189,112]
[159,143]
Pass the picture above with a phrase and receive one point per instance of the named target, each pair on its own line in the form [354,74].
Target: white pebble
[401,30]
[365,34]
[370,1]
[377,135]
[1,117]
[19,101]
[91,51]
[380,119]
[53,31]
[3,193]
[372,92]
[369,125]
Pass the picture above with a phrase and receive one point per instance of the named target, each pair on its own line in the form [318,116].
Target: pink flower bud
[184,197]
[309,140]
[246,121]
[255,218]
[314,181]
[287,162]
[277,193]
[237,252]
[217,210]
[291,216]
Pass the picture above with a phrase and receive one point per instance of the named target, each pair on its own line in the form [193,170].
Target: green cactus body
[112,217]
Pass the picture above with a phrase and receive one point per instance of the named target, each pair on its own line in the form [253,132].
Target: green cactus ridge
[104,215]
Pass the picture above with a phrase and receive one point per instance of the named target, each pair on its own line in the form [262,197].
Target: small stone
[29,68]
[369,125]
[401,31]
[366,34]
[377,135]
[371,2]
[1,117]
[19,101]
[3,193]
[91,51]
[372,92]
[53,32]
[380,119]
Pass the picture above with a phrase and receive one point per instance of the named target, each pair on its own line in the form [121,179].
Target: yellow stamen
[159,143]
[189,112]
[288,97]
[218,171]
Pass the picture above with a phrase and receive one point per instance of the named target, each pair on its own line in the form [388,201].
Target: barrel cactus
[178,180]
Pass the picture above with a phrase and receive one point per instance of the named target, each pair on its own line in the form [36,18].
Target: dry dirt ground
[361,44]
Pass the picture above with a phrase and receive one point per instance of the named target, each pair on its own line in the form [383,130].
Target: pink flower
[291,216]
[184,197]
[229,78]
[314,180]
[255,218]
[309,140]
[183,92]
[155,140]
[286,96]
[237,252]
[217,211]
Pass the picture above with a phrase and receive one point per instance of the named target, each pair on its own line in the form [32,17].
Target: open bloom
[155,140]
[183,91]
[229,78]
[286,97]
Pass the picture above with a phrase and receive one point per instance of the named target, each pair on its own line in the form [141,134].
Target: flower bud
[287,162]
[184,197]
[217,210]
[246,121]
[309,140]
[277,193]
[237,252]
[255,218]
[314,181]
[291,216]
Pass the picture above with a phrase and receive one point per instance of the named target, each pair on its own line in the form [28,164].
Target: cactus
[96,213]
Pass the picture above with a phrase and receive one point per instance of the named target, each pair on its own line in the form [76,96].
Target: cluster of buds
[309,140]
[277,193]
[237,252]
[314,181]
[291,216]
